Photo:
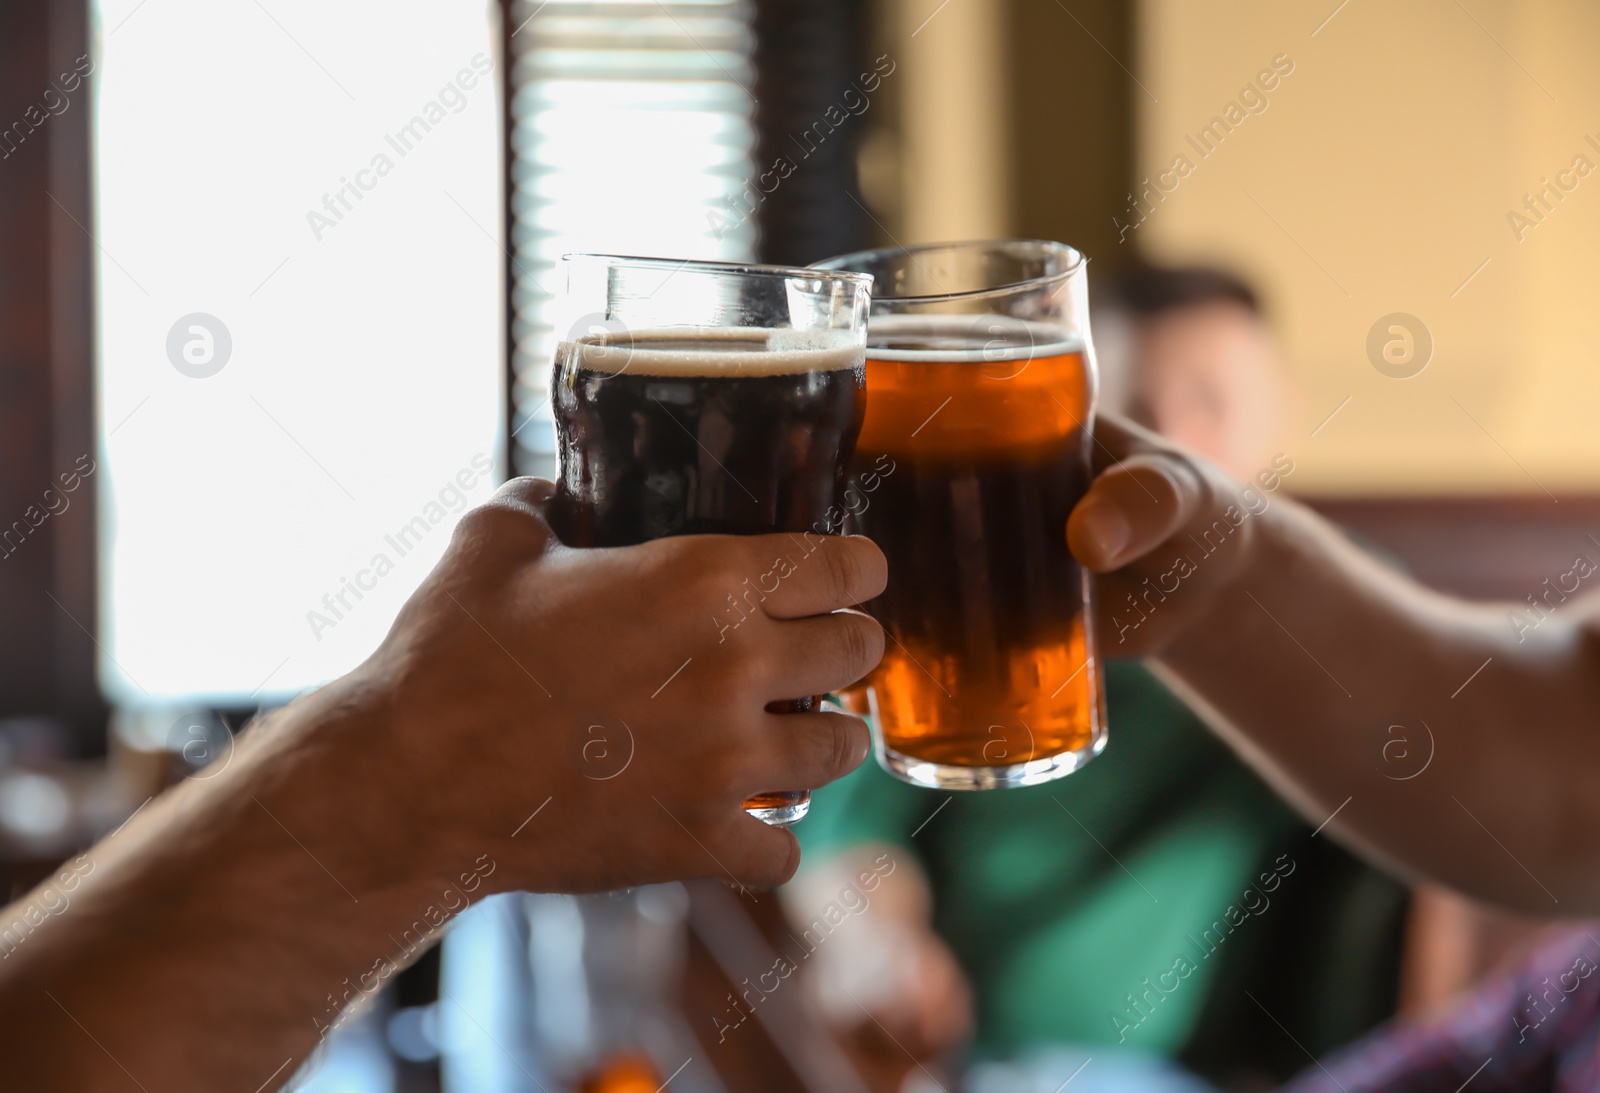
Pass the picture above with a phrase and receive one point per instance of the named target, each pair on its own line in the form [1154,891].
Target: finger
[755,854]
[820,654]
[1133,508]
[804,574]
[806,750]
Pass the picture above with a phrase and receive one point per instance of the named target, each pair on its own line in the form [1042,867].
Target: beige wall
[954,136]
[1378,178]
[1003,118]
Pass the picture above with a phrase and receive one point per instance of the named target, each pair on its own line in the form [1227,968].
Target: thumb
[1133,507]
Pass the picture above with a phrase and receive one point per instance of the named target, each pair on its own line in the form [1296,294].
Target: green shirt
[1060,900]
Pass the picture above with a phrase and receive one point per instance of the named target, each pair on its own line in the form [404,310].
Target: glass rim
[840,263]
[747,269]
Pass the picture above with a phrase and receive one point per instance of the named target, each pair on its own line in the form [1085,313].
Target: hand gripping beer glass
[707,398]
[976,445]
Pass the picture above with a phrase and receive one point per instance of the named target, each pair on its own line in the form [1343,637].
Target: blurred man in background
[1037,920]
[1187,353]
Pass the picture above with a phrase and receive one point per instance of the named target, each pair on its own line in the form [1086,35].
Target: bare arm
[211,942]
[214,939]
[1303,652]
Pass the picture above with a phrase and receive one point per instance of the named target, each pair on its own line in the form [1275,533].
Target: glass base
[929,775]
[780,809]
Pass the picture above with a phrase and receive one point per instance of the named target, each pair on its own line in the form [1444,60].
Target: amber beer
[626,1073]
[977,430]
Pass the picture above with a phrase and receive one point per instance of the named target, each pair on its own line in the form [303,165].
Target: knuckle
[705,584]
[702,568]
[725,561]
[843,569]
[527,490]
[685,555]
[842,746]
[861,644]
[496,521]
[853,645]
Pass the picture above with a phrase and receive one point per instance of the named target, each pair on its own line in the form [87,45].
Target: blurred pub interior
[385,351]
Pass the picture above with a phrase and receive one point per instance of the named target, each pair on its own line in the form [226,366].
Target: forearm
[209,944]
[1313,650]
[236,908]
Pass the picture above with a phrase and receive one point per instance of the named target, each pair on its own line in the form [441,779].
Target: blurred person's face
[1207,377]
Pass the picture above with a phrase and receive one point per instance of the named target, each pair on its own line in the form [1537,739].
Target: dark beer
[980,451]
[710,432]
[737,431]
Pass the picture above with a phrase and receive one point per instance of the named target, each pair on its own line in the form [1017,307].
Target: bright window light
[633,136]
[301,336]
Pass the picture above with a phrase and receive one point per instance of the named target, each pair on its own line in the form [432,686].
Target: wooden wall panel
[47,596]
[1483,548]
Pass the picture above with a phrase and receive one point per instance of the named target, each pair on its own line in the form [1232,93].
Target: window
[301,339]
[631,134]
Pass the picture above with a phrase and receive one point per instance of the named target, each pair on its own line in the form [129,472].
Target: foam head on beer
[712,352]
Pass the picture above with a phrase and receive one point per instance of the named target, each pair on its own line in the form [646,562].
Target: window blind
[631,132]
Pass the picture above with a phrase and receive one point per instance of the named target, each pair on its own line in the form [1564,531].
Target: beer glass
[707,398]
[975,449]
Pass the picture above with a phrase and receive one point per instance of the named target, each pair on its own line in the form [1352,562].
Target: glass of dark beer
[974,451]
[707,398]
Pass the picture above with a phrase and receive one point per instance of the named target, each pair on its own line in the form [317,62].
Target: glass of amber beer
[707,398]
[975,449]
